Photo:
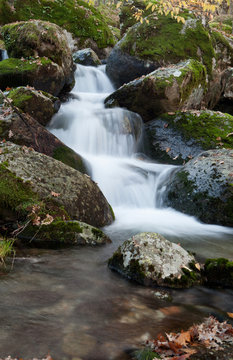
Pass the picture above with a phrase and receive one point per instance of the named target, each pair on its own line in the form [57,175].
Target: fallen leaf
[230,314]
[197,265]
[168,149]
[184,338]
[55,194]
[230,134]
[218,138]
[10,134]
[165,125]
[171,113]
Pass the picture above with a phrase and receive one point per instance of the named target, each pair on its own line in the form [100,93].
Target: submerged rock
[151,260]
[86,57]
[181,86]
[178,137]
[22,129]
[34,185]
[61,233]
[160,42]
[40,105]
[204,187]
[37,39]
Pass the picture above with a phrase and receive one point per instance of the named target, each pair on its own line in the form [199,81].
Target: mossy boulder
[40,105]
[178,137]
[76,16]
[86,57]
[22,129]
[128,10]
[160,42]
[177,87]
[63,233]
[36,38]
[204,187]
[35,184]
[219,272]
[151,260]
[40,73]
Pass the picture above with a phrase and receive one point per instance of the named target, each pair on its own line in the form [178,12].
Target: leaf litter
[211,334]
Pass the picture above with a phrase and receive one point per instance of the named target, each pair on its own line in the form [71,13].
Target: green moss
[19,97]
[208,128]
[219,272]
[163,41]
[17,72]
[58,233]
[76,16]
[70,158]
[189,278]
[145,354]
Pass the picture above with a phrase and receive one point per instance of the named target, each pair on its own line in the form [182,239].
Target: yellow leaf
[197,265]
[230,314]
[118,5]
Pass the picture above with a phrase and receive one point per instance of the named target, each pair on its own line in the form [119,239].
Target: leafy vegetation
[6,249]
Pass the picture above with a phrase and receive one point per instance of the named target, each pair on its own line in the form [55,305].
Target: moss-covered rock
[178,137]
[151,260]
[128,10]
[219,272]
[62,233]
[204,187]
[40,105]
[160,42]
[40,73]
[36,38]
[177,87]
[22,129]
[33,183]
[76,16]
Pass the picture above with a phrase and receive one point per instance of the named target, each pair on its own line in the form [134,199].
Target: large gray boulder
[203,187]
[86,57]
[151,260]
[33,185]
[157,43]
[177,87]
[178,137]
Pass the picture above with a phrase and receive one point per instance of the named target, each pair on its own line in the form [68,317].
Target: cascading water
[109,139]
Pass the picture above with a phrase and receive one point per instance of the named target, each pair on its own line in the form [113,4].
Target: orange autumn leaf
[184,338]
[230,314]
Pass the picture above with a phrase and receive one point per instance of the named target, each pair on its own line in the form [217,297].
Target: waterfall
[109,140]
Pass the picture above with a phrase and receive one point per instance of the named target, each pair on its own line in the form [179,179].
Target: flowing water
[67,302]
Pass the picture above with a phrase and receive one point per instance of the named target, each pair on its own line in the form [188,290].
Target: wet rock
[22,129]
[35,185]
[62,233]
[151,260]
[37,39]
[219,272]
[160,42]
[40,105]
[203,187]
[181,86]
[86,57]
[178,137]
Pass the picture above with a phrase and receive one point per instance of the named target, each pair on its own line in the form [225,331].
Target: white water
[134,187]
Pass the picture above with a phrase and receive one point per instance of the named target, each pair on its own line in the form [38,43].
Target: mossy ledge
[62,233]
[218,272]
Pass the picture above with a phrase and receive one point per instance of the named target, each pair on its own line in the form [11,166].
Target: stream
[67,302]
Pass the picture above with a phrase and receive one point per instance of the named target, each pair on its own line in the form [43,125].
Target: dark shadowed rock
[86,57]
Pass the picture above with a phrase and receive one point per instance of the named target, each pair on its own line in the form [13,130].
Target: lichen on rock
[151,260]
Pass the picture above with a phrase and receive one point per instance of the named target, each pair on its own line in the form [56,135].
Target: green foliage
[6,249]
[145,354]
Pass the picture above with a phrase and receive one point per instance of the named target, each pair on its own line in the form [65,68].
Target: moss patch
[16,72]
[210,129]
[219,272]
[76,16]
[164,40]
[70,158]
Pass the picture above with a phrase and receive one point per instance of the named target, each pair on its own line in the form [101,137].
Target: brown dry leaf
[165,125]
[219,138]
[10,134]
[183,338]
[36,221]
[170,310]
[171,113]
[8,88]
[168,149]
[198,266]
[230,314]
[55,194]
[48,220]
[221,162]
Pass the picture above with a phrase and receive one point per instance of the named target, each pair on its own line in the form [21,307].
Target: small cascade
[109,140]
[3,55]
